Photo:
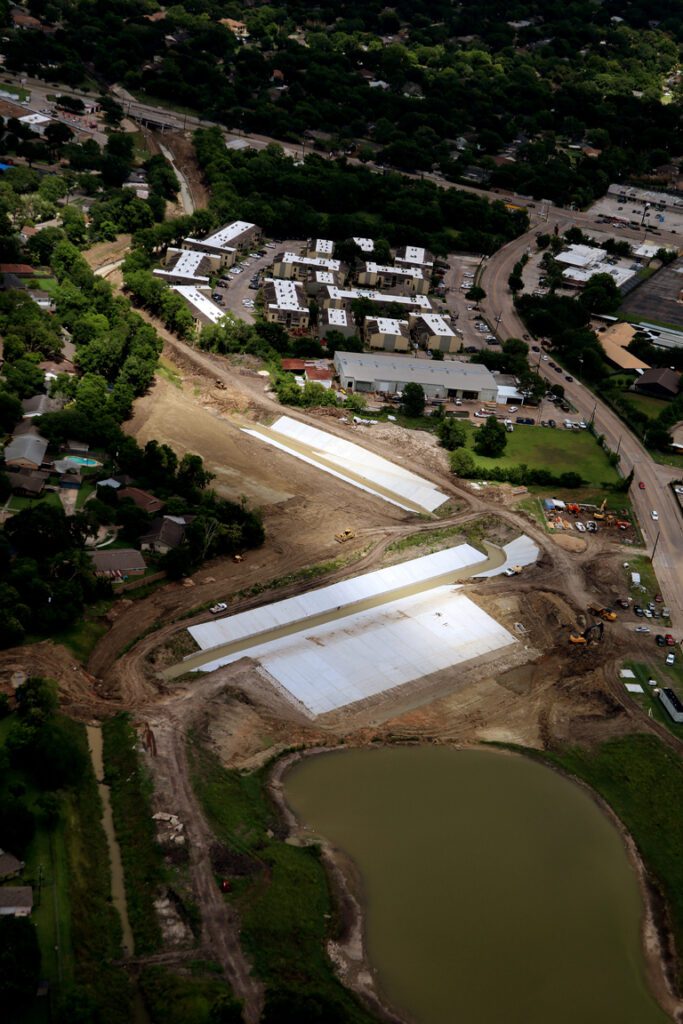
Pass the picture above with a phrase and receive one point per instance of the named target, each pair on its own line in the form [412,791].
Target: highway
[668,562]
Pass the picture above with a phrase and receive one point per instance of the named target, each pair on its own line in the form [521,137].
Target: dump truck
[603,613]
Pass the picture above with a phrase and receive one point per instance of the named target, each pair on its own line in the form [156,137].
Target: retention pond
[494,888]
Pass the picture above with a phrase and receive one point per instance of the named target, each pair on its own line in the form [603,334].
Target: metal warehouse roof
[447,374]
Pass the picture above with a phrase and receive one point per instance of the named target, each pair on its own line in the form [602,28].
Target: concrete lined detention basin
[495,889]
[496,557]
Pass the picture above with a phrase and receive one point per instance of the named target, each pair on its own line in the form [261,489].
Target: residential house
[389,375]
[116,565]
[411,279]
[143,499]
[238,28]
[28,484]
[660,382]
[434,332]
[52,368]
[38,405]
[69,474]
[16,900]
[164,534]
[36,122]
[76,447]
[387,334]
[27,452]
[10,866]
[285,303]
[188,266]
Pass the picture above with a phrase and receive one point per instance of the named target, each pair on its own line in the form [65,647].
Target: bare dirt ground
[184,156]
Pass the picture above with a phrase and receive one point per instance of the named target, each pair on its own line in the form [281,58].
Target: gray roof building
[390,374]
[16,900]
[28,450]
[9,865]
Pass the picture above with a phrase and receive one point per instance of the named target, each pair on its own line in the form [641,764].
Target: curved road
[668,562]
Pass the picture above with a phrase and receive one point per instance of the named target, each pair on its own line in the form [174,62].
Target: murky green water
[496,891]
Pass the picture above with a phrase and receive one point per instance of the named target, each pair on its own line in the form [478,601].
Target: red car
[669,640]
[641,485]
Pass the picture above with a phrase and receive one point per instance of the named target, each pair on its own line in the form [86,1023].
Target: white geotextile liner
[520,551]
[292,609]
[362,655]
[345,456]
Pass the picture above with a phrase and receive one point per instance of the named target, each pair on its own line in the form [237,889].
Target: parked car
[583,425]
[669,640]
[638,610]
[217,608]
[655,514]
[641,485]
[670,659]
[660,641]
[570,380]
[525,419]
[552,423]
[642,629]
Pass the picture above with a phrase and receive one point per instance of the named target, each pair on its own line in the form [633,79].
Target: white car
[217,608]
[642,629]
[583,425]
[655,514]
[670,659]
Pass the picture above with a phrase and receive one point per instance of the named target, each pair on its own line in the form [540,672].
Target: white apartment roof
[436,324]
[387,325]
[336,317]
[376,268]
[324,277]
[221,239]
[414,254]
[288,295]
[401,369]
[365,244]
[309,261]
[185,264]
[367,293]
[324,245]
[200,302]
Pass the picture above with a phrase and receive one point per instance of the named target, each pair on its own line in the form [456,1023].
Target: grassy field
[282,894]
[642,564]
[642,780]
[19,502]
[650,406]
[560,451]
[130,800]
[171,999]
[82,637]
[650,704]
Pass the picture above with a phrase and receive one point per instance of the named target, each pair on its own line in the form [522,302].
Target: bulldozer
[603,613]
[344,536]
[591,635]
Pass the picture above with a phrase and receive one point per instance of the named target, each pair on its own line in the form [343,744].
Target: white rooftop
[365,244]
[452,373]
[34,119]
[647,249]
[352,463]
[414,254]
[288,295]
[336,317]
[324,276]
[185,263]
[324,245]
[310,261]
[221,239]
[581,275]
[367,293]
[200,302]
[581,255]
[436,324]
[387,325]
[376,268]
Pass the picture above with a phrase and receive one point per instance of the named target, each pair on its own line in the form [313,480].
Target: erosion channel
[494,888]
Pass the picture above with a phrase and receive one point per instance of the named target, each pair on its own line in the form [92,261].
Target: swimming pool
[80,461]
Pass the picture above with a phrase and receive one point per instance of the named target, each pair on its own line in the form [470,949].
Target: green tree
[462,463]
[491,438]
[452,433]
[413,401]
[475,293]
[19,966]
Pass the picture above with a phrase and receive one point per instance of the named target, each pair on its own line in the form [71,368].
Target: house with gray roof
[16,900]
[26,452]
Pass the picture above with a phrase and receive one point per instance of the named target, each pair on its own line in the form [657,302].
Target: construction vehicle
[622,524]
[603,613]
[220,385]
[591,635]
[574,509]
[600,514]
[344,536]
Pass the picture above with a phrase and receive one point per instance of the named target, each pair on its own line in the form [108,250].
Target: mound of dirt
[567,543]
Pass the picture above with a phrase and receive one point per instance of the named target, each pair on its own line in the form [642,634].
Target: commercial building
[672,703]
[238,236]
[203,309]
[411,278]
[387,334]
[583,261]
[440,380]
[614,342]
[189,266]
[285,303]
[290,265]
[434,332]
[338,298]
[414,256]
[339,320]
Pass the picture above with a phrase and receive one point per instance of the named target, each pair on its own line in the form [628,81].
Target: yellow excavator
[600,514]
[591,635]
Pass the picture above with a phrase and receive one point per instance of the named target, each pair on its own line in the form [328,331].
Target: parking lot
[238,293]
[633,213]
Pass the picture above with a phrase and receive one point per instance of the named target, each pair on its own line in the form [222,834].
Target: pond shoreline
[348,951]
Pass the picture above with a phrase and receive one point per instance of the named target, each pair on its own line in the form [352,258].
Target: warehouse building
[440,380]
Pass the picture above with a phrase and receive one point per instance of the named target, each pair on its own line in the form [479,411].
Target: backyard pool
[81,461]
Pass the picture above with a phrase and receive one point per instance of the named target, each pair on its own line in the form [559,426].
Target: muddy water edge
[118,889]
